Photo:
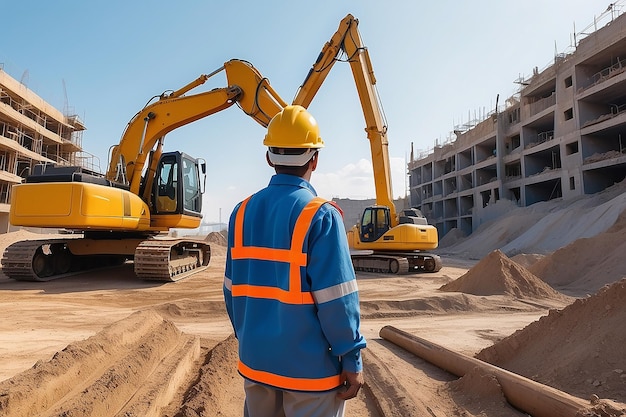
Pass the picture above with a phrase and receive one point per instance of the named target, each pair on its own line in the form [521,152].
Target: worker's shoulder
[328,207]
[336,206]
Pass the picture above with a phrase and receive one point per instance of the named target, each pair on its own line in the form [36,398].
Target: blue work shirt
[299,345]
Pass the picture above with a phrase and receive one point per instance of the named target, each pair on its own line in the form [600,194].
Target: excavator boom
[246,87]
[347,42]
[383,241]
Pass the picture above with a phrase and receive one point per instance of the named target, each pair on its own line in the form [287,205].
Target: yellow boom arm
[347,40]
[246,87]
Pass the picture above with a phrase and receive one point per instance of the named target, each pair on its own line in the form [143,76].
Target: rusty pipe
[525,394]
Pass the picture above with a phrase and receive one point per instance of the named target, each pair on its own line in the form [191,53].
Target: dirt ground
[64,341]
[107,344]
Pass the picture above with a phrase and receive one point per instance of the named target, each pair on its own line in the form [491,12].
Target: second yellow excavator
[383,241]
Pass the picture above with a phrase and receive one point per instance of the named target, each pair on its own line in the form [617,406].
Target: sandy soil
[107,344]
[104,343]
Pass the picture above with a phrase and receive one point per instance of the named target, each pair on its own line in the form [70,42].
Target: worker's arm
[334,286]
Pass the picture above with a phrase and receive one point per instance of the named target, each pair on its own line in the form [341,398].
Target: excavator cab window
[192,198]
[167,186]
[374,223]
[177,185]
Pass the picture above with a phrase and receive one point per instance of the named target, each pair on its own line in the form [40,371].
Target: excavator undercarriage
[395,262]
[155,259]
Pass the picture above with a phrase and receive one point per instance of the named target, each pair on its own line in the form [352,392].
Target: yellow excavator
[384,240]
[119,216]
[145,192]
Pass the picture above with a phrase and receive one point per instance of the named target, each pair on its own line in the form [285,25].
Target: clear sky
[438,64]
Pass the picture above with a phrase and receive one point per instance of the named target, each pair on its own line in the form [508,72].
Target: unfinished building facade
[563,135]
[32,132]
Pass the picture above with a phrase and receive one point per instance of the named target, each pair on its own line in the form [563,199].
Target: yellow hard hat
[293,127]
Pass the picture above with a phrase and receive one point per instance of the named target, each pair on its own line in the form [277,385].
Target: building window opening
[568,82]
[571,148]
[569,114]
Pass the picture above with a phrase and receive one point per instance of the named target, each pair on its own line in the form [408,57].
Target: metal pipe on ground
[525,394]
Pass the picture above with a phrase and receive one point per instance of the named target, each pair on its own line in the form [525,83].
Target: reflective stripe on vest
[300,384]
[294,256]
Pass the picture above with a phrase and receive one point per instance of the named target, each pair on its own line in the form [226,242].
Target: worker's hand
[354,382]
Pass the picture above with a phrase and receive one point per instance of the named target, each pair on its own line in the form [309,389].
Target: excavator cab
[177,186]
[375,221]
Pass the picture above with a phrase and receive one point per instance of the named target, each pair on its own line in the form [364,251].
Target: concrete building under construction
[561,136]
[32,132]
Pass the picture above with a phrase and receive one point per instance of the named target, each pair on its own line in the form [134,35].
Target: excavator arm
[146,130]
[382,241]
[347,41]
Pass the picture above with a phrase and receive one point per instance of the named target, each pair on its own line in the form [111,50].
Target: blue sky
[437,64]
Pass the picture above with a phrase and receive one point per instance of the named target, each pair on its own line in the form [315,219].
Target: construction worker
[290,288]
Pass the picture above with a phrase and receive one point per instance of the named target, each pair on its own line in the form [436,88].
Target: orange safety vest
[296,258]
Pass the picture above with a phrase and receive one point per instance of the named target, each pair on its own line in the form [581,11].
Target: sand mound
[218,390]
[579,349]
[479,390]
[587,264]
[453,237]
[496,233]
[527,259]
[380,309]
[217,238]
[132,367]
[545,226]
[496,274]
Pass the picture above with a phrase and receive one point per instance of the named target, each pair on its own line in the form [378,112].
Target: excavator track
[164,260]
[170,260]
[395,263]
[49,259]
[382,264]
